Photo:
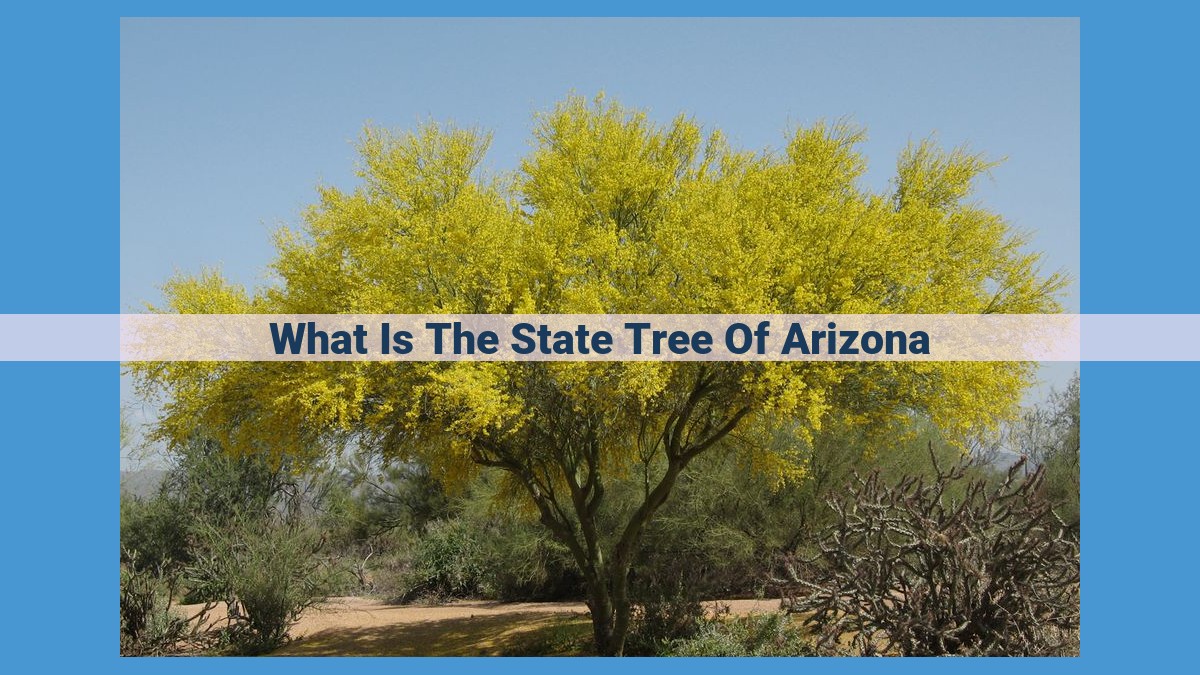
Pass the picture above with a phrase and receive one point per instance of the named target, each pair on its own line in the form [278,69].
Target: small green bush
[154,530]
[448,562]
[266,573]
[525,564]
[478,553]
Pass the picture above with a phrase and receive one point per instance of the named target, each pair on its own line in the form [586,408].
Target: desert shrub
[155,531]
[520,559]
[448,562]
[339,575]
[220,486]
[264,572]
[681,560]
[388,577]
[528,565]
[908,569]
[481,548]
[370,498]
[238,530]
[774,634]
[480,555]
[1048,435]
[208,485]
[662,614]
[150,625]
[710,538]
[1061,457]
[381,564]
[1062,485]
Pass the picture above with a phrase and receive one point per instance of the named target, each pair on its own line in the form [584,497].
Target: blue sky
[227,125]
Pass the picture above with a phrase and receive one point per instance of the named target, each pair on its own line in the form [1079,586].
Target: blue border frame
[60,254]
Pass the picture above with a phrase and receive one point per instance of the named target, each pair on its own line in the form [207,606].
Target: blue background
[59,253]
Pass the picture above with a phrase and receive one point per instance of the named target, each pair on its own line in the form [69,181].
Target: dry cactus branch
[953,564]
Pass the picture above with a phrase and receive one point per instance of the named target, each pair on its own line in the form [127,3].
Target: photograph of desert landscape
[597,167]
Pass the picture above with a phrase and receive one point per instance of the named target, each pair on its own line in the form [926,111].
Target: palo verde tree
[611,212]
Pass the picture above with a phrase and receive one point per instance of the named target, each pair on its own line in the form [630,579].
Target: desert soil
[353,626]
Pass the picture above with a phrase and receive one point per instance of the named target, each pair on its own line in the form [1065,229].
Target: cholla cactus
[909,569]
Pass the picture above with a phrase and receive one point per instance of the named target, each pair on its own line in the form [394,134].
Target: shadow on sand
[528,632]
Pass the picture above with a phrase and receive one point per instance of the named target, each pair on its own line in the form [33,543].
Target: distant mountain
[142,482]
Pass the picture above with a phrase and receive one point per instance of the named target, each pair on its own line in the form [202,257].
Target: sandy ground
[362,626]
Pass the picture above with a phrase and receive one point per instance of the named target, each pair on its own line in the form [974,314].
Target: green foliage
[1061,455]
[774,634]
[366,500]
[219,486]
[449,562]
[1062,485]
[155,531]
[709,538]
[232,528]
[484,550]
[205,485]
[265,573]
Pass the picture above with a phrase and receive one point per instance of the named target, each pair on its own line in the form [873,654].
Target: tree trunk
[600,605]
[608,601]
[621,613]
[608,584]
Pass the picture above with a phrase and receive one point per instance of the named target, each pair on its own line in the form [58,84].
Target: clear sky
[227,125]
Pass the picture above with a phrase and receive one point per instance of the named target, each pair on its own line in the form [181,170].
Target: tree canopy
[612,212]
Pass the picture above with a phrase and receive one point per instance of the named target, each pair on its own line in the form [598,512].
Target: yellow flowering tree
[612,213]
